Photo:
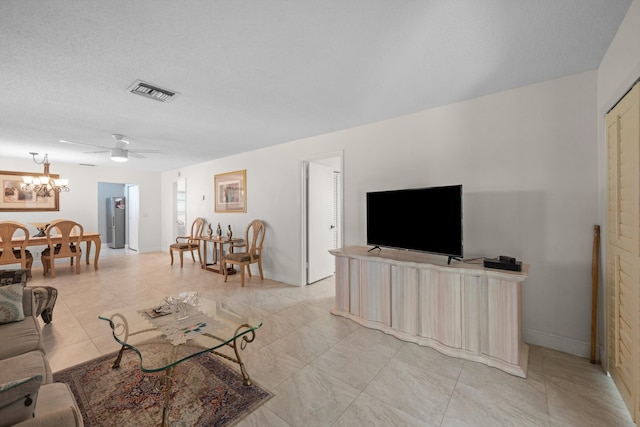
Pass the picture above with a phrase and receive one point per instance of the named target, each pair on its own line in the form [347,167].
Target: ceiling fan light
[119,155]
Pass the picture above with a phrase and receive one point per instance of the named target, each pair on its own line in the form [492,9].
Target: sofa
[28,395]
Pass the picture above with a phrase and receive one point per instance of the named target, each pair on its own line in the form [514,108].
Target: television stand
[453,258]
[462,310]
[375,247]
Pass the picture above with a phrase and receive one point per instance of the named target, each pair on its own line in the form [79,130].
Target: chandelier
[44,185]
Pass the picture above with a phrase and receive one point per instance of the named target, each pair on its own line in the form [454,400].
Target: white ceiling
[256,73]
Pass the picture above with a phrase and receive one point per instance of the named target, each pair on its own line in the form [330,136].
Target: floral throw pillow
[11,303]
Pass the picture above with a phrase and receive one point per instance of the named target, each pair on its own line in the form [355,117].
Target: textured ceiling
[256,73]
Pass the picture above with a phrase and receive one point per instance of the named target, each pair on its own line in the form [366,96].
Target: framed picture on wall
[16,199]
[230,191]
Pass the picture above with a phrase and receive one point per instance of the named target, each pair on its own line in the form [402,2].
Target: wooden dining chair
[70,233]
[254,240]
[15,253]
[188,243]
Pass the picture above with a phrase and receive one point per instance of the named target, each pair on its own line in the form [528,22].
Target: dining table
[89,238]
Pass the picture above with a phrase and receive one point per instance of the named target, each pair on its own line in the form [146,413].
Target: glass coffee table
[165,333]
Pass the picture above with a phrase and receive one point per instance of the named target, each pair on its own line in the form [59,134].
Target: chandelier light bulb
[45,185]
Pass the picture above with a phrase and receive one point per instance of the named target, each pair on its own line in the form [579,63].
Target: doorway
[322,215]
[130,195]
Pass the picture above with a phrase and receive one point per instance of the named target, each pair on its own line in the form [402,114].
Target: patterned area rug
[205,393]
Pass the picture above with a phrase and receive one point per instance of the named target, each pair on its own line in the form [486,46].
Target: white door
[133,209]
[321,223]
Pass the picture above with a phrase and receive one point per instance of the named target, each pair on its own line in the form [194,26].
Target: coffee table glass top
[168,331]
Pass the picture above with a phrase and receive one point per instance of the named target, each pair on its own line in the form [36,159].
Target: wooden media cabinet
[462,310]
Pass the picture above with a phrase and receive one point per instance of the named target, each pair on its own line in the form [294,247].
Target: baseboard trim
[555,342]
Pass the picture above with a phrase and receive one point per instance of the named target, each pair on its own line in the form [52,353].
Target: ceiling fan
[119,153]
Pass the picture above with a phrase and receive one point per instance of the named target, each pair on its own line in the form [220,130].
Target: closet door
[623,247]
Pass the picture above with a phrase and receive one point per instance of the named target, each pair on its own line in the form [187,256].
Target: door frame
[131,202]
[304,175]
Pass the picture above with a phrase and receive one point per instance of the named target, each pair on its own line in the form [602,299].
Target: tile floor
[326,370]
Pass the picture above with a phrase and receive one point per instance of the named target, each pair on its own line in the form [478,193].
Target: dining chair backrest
[70,233]
[255,237]
[197,227]
[8,231]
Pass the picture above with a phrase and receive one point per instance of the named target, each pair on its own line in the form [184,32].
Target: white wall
[273,188]
[81,203]
[619,69]
[527,160]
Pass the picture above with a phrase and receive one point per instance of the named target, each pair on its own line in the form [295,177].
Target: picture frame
[230,191]
[15,199]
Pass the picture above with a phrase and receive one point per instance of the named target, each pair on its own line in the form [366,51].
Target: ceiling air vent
[150,91]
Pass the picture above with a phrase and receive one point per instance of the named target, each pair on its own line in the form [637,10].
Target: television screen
[420,219]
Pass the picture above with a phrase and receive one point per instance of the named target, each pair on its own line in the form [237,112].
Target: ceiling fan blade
[83,144]
[93,152]
[149,151]
[136,155]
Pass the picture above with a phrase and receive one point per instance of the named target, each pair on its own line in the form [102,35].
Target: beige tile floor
[328,371]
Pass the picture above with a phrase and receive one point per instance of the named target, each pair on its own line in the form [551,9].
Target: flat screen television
[419,219]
